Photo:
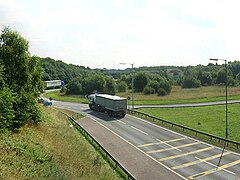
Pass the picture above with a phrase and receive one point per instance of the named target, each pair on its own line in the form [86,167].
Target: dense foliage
[59,70]
[91,82]
[20,80]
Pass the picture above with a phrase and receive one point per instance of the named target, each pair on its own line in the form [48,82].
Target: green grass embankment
[177,96]
[50,150]
[56,95]
[210,119]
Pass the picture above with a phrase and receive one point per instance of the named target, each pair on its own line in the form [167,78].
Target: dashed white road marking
[121,122]
[139,130]
[138,148]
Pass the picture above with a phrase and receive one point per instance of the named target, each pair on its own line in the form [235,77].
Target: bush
[166,86]
[154,84]
[161,92]
[6,108]
[140,81]
[191,82]
[148,90]
[74,87]
[122,86]
[63,89]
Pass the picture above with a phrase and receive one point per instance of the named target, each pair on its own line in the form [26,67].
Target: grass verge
[56,95]
[177,96]
[182,96]
[209,119]
[51,150]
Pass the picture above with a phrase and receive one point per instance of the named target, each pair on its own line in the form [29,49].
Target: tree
[221,76]
[166,86]
[140,81]
[122,86]
[154,85]
[191,82]
[204,77]
[22,74]
[74,87]
[148,90]
[93,82]
[110,87]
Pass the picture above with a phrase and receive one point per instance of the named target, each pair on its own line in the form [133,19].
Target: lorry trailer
[53,84]
[112,105]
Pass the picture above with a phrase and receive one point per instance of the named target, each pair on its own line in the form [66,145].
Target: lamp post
[226,71]
[132,82]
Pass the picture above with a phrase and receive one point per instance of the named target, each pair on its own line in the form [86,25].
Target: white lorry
[112,105]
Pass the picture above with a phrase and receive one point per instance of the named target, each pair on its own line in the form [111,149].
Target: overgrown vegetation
[20,80]
[51,150]
[149,80]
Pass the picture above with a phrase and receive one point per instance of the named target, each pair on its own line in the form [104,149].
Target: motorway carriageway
[187,157]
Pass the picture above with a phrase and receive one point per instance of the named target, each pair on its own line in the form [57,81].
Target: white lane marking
[215,166]
[121,121]
[162,142]
[138,148]
[139,130]
[158,126]
[187,137]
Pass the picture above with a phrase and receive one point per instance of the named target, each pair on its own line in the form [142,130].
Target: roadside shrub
[110,86]
[6,108]
[122,86]
[161,92]
[74,87]
[148,90]
[63,89]
[191,82]
[140,81]
[166,86]
[154,84]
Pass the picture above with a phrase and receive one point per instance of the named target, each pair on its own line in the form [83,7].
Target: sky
[105,33]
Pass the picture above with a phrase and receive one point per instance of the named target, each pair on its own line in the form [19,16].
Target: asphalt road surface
[183,156]
[186,105]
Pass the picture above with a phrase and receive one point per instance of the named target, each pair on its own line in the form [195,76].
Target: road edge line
[137,148]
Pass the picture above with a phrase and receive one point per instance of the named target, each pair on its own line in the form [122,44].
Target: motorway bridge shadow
[103,116]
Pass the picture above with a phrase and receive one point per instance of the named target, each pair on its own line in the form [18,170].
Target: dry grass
[179,95]
[51,150]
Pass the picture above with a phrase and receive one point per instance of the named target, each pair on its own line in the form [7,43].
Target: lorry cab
[92,100]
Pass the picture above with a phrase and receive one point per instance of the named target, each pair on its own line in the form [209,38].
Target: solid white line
[215,166]
[139,130]
[121,121]
[138,149]
[168,144]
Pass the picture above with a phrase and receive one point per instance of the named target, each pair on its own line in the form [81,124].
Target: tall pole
[132,88]
[226,70]
[226,90]
[132,83]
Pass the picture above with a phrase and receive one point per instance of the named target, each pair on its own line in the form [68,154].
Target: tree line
[20,81]
[148,80]
[56,69]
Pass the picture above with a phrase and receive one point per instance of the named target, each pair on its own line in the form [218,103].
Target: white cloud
[146,32]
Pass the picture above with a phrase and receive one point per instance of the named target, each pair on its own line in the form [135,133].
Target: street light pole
[226,81]
[132,83]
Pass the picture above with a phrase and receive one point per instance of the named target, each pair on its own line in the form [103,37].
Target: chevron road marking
[185,154]
[161,142]
[199,161]
[162,150]
[214,170]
